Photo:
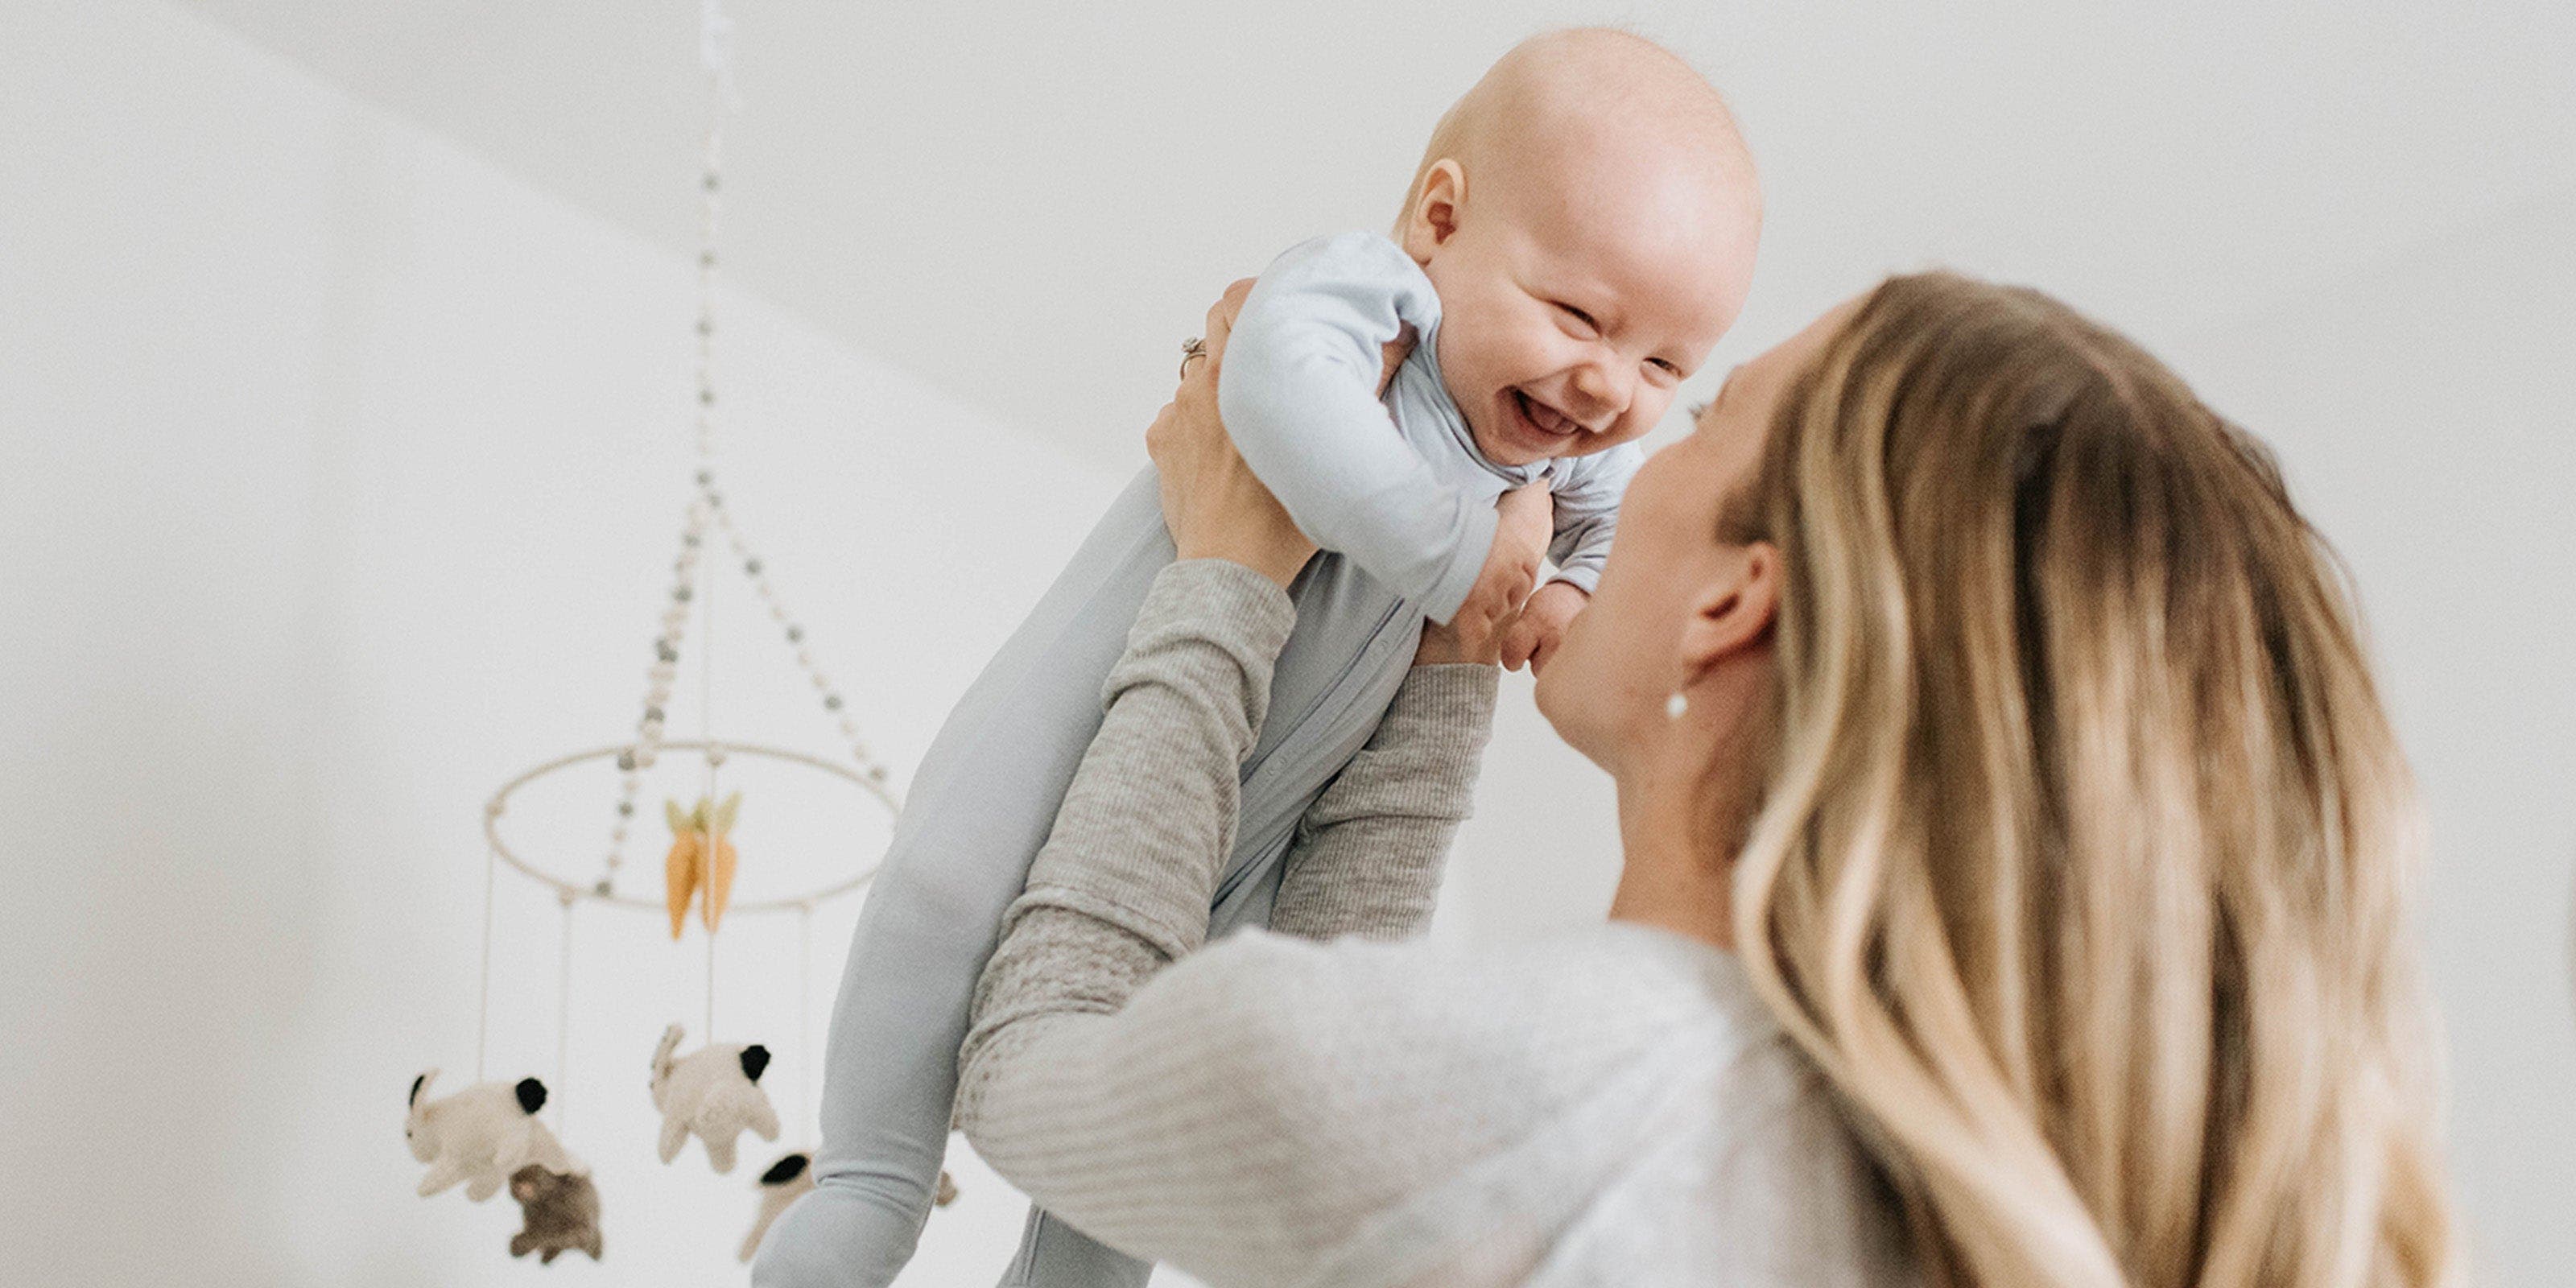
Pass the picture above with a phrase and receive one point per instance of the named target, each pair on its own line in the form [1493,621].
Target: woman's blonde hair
[2084,857]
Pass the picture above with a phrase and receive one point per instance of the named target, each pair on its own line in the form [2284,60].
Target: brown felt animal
[701,860]
[558,1213]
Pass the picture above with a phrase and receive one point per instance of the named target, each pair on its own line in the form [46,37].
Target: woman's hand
[1213,505]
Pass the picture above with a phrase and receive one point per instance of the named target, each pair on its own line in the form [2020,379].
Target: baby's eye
[1591,328]
[1668,368]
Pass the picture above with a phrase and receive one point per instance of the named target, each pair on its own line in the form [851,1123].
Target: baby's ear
[1438,205]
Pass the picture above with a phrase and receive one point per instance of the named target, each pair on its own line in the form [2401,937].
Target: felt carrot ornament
[701,860]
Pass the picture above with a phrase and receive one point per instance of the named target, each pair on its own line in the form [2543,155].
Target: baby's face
[1573,306]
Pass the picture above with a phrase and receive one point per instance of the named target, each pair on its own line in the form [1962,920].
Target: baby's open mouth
[1547,420]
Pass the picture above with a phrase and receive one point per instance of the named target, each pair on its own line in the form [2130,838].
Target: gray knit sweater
[1609,1107]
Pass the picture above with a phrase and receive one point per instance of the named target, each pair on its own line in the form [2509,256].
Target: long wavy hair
[2083,865]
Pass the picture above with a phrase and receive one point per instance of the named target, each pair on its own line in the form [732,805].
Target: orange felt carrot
[701,860]
[683,869]
[716,849]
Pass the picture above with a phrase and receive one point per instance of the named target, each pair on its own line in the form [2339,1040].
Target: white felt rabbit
[786,1181]
[480,1135]
[713,1093]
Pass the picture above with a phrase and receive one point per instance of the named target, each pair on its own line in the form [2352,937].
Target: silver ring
[1194,347]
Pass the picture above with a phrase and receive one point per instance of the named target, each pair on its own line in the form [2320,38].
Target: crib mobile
[489,1136]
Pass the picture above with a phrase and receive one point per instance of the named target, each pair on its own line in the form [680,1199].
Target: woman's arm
[1186,1126]
[1369,851]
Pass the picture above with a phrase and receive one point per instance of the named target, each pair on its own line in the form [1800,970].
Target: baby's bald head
[1566,96]
[1588,215]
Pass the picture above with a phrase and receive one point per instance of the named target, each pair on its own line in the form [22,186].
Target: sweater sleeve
[1134,1122]
[1299,394]
[1369,851]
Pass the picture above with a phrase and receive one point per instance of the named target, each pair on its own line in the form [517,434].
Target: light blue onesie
[1405,516]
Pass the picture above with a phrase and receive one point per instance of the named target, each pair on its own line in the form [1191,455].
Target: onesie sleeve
[1299,394]
[1587,512]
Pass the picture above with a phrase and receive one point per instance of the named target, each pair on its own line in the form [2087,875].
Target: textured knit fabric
[986,793]
[1607,1107]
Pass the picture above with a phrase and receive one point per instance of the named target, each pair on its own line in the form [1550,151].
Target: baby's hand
[1532,637]
[1527,520]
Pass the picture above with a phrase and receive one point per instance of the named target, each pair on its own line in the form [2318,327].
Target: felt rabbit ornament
[713,1093]
[558,1214]
[481,1135]
[701,860]
[787,1180]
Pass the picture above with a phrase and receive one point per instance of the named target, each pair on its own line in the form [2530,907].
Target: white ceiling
[1032,203]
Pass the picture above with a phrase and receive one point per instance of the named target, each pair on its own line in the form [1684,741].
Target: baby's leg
[977,813]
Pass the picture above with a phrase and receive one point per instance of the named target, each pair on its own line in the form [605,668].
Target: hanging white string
[563,1012]
[715,32]
[804,1025]
[708,836]
[715,43]
[483,995]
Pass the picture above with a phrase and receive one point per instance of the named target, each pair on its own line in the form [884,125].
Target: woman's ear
[1436,207]
[1734,613]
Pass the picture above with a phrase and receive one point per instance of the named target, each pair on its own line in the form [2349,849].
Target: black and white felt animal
[712,1093]
[481,1135]
[786,1181]
[557,1214]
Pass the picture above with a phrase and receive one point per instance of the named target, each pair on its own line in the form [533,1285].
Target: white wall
[2422,406]
[341,472]
[342,475]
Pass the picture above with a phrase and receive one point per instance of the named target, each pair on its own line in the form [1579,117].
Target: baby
[1579,234]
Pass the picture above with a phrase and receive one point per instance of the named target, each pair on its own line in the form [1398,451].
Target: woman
[2015,878]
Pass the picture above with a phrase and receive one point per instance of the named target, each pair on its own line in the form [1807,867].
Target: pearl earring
[1676,705]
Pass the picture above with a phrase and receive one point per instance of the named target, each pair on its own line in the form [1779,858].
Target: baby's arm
[1299,395]
[1587,512]
[1587,517]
